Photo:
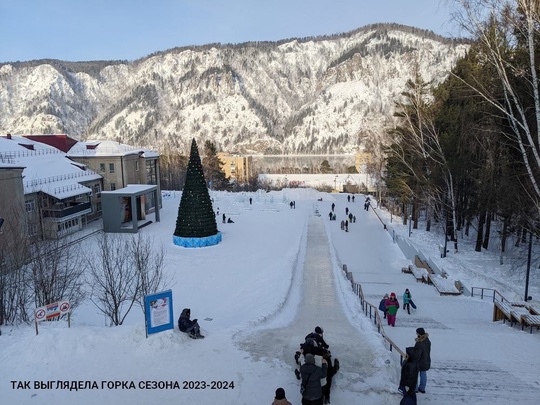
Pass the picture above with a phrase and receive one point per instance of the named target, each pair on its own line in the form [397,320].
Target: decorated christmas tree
[196,223]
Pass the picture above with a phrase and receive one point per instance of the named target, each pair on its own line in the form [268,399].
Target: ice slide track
[319,306]
[471,381]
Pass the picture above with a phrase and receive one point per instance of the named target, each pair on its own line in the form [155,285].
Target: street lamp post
[445,232]
[528,267]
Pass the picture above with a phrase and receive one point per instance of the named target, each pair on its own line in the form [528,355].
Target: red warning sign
[51,311]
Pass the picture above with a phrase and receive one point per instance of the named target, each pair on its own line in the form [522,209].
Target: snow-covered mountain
[331,94]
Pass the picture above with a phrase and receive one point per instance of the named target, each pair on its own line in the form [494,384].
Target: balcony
[61,212]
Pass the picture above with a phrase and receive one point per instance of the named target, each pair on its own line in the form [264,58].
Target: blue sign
[158,312]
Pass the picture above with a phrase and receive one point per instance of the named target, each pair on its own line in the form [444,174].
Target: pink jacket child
[392,306]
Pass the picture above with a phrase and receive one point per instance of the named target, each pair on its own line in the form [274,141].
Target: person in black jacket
[311,375]
[186,325]
[424,345]
[409,372]
[333,368]
[314,343]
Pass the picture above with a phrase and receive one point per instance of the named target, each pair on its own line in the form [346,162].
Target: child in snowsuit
[407,301]
[392,306]
[382,305]
[189,326]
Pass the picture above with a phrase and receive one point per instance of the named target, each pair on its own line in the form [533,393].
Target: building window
[136,165]
[111,167]
[113,186]
[98,207]
[30,205]
[151,172]
[102,167]
[97,190]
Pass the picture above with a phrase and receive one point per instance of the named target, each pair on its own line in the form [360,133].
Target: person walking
[311,374]
[392,306]
[407,301]
[409,376]
[280,398]
[424,364]
[382,305]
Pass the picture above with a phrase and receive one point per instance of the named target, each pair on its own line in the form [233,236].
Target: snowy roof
[132,189]
[46,169]
[107,148]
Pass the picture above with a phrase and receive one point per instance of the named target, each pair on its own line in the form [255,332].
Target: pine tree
[213,168]
[196,218]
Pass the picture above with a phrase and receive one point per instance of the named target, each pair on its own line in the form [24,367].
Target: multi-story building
[56,191]
[119,165]
[363,159]
[237,167]
[54,183]
[12,209]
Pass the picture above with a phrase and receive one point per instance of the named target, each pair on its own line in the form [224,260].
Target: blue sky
[77,30]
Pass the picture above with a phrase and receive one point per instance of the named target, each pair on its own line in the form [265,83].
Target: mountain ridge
[324,95]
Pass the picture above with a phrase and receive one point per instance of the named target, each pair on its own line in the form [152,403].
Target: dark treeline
[465,153]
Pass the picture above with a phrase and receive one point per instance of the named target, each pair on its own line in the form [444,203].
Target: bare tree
[418,147]
[57,269]
[149,262]
[508,33]
[114,281]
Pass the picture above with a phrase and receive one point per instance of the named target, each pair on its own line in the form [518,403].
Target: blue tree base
[197,242]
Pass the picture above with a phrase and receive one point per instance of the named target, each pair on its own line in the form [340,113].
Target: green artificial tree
[196,222]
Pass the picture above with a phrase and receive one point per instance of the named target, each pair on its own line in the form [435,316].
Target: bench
[502,310]
[407,270]
[533,309]
[445,286]
[418,273]
[530,320]
[518,314]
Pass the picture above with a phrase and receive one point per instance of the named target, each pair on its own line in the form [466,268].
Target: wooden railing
[372,312]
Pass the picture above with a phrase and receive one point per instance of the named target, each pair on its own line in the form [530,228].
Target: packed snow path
[471,360]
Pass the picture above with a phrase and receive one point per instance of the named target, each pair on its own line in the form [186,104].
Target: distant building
[237,167]
[362,160]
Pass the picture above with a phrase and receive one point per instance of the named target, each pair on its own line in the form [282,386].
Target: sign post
[158,312]
[51,311]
